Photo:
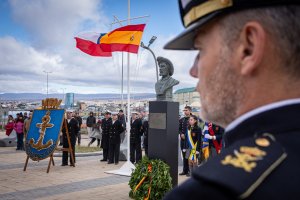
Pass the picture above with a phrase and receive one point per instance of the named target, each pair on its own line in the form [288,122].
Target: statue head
[165,66]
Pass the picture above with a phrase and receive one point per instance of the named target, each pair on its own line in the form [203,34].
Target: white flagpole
[127,168]
[128,95]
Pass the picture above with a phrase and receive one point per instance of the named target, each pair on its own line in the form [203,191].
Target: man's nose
[194,68]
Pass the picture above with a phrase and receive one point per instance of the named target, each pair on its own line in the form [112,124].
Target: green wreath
[150,180]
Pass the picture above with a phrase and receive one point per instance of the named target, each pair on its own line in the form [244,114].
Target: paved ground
[87,180]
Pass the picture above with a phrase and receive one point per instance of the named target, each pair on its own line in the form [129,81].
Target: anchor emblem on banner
[39,145]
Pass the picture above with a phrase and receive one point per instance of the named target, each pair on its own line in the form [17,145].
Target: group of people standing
[20,125]
[109,131]
[198,140]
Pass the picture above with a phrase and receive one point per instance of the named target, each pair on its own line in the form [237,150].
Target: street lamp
[47,72]
[148,48]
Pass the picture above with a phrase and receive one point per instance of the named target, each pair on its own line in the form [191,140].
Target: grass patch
[84,149]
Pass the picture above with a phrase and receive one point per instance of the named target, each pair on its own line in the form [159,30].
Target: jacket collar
[273,118]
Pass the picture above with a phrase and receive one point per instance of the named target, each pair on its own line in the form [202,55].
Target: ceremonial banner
[43,135]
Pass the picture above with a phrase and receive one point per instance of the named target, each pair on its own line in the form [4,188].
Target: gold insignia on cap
[263,142]
[205,8]
[225,2]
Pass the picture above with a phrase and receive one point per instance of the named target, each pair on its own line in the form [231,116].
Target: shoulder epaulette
[243,166]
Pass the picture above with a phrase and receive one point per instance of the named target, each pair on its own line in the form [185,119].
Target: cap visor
[185,40]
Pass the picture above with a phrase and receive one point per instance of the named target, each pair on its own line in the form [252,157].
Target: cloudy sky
[38,36]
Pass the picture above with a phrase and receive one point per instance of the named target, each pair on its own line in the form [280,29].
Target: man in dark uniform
[248,68]
[73,128]
[79,119]
[121,118]
[145,131]
[183,124]
[114,139]
[106,126]
[135,138]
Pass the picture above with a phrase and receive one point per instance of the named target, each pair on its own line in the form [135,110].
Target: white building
[187,96]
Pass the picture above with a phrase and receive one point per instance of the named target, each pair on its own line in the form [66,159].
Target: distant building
[187,96]
[69,101]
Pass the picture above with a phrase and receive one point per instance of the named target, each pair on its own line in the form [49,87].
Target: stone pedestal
[163,134]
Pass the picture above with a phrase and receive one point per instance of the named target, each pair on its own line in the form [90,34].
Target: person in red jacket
[9,127]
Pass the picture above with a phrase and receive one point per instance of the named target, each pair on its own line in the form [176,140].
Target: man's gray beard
[226,88]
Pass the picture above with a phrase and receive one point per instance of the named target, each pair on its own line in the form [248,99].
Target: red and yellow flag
[126,38]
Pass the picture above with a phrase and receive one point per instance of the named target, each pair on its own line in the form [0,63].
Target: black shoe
[103,160]
[182,173]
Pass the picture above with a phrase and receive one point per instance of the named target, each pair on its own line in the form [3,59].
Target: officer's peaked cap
[195,13]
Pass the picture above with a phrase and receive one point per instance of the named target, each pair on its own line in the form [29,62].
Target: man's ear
[251,47]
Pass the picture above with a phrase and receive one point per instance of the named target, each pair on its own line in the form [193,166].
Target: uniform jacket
[73,131]
[145,130]
[136,131]
[106,127]
[79,119]
[267,144]
[183,124]
[122,119]
[115,130]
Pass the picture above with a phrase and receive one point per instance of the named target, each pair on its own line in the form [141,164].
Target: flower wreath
[150,180]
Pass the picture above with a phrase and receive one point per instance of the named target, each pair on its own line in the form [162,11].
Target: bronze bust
[164,86]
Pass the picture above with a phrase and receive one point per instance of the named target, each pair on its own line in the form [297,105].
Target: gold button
[225,2]
[263,142]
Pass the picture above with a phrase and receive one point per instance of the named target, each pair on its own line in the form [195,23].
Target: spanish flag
[126,38]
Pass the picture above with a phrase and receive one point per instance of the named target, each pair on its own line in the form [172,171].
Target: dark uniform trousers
[260,161]
[106,126]
[72,129]
[135,141]
[115,141]
[145,132]
[183,124]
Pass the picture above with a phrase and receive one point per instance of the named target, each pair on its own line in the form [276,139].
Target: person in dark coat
[106,127]
[73,128]
[183,124]
[115,139]
[90,123]
[145,131]
[122,119]
[135,138]
[79,119]
[249,78]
